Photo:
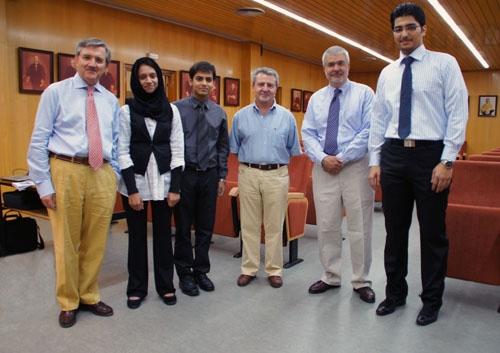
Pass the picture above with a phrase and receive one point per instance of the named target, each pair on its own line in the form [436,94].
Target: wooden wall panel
[58,26]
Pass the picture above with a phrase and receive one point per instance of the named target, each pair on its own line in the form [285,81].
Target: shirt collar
[195,102]
[344,88]
[80,83]
[255,107]
[417,54]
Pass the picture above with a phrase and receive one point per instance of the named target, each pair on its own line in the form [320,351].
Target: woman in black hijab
[151,158]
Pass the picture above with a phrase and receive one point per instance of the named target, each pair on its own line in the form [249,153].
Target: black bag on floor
[19,234]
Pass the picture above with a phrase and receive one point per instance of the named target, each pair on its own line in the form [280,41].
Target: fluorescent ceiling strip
[444,14]
[322,29]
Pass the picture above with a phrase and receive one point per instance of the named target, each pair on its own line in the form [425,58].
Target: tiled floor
[256,318]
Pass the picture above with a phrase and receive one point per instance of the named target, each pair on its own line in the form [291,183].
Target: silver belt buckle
[409,143]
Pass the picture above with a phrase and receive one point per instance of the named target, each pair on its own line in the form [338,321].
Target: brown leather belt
[77,160]
[264,166]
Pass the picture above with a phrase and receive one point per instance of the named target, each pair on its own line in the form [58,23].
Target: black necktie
[332,125]
[404,127]
[202,138]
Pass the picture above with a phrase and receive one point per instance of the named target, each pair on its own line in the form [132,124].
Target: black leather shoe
[388,306]
[67,318]
[320,287]
[188,286]
[427,316]
[366,294]
[204,282]
[99,308]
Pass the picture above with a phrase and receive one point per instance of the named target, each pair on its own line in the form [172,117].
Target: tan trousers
[351,190]
[85,201]
[263,196]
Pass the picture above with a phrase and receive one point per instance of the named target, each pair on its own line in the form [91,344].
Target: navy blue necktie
[332,125]
[202,138]
[404,127]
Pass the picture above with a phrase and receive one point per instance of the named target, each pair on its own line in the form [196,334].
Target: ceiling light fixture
[444,14]
[250,11]
[322,29]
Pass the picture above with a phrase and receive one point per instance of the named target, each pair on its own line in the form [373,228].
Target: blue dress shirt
[270,139]
[354,122]
[60,127]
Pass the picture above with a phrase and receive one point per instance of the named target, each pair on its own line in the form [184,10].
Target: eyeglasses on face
[408,28]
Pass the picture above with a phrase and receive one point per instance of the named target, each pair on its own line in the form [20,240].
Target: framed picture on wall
[111,78]
[186,88]
[231,91]
[487,106]
[36,70]
[296,100]
[65,66]
[215,93]
[306,95]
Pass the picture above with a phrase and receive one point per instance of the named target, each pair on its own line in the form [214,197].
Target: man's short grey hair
[335,50]
[94,42]
[266,71]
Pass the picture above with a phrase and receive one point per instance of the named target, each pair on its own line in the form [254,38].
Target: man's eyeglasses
[408,28]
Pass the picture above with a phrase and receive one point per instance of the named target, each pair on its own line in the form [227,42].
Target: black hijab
[152,105]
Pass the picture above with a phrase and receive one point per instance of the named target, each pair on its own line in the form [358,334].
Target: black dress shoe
[171,300]
[204,282]
[366,294]
[67,318]
[427,316]
[320,287]
[134,303]
[99,308]
[188,286]
[388,306]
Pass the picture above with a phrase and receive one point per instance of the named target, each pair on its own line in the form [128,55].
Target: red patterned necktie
[93,132]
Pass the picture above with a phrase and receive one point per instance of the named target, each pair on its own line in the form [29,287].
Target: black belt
[77,160]
[195,167]
[264,166]
[414,143]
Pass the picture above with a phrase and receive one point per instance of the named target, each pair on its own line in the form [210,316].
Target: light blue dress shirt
[60,127]
[354,122]
[439,103]
[270,139]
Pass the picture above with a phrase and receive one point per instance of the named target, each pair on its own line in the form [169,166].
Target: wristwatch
[222,180]
[447,164]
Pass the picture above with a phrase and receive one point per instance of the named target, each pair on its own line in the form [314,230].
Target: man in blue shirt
[337,143]
[79,194]
[414,140]
[264,136]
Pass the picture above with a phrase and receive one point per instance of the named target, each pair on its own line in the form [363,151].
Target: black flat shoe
[172,300]
[134,303]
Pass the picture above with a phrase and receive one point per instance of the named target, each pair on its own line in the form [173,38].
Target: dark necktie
[404,127]
[93,131]
[332,126]
[202,138]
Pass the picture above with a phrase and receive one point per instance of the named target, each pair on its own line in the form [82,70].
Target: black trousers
[163,260]
[196,207]
[406,179]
